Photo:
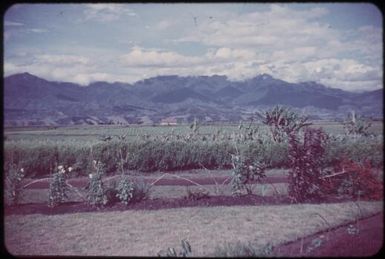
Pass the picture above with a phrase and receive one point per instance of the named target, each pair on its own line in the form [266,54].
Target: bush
[197,194]
[283,122]
[58,187]
[356,149]
[306,162]
[13,179]
[357,181]
[95,190]
[356,125]
[245,172]
[125,190]
[141,191]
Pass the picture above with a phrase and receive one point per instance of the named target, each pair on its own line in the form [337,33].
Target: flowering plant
[95,189]
[58,187]
[12,184]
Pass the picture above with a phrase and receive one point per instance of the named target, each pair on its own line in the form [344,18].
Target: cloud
[37,30]
[141,57]
[10,23]
[106,12]
[62,60]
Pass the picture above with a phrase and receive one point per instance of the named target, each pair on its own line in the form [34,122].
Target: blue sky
[339,45]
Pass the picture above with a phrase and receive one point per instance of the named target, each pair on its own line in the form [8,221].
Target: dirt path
[82,181]
[339,242]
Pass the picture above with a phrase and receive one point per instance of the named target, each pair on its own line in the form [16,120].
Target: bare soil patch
[338,242]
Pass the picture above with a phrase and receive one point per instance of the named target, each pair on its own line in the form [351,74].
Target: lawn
[145,233]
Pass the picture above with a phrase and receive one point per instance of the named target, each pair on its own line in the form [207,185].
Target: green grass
[145,233]
[38,150]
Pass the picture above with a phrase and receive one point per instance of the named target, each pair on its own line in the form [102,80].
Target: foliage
[283,122]
[359,149]
[197,194]
[356,125]
[166,150]
[13,179]
[306,165]
[171,252]
[315,243]
[95,190]
[58,187]
[239,249]
[141,191]
[357,180]
[245,172]
[111,195]
[125,190]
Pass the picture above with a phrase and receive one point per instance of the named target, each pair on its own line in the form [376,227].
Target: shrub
[197,194]
[13,179]
[58,187]
[357,180]
[95,190]
[125,190]
[306,158]
[141,191]
[356,125]
[171,252]
[245,172]
[283,122]
[111,196]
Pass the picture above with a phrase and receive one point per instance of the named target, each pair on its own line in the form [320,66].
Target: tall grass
[165,148]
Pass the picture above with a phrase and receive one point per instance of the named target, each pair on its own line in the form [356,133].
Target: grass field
[168,148]
[145,233]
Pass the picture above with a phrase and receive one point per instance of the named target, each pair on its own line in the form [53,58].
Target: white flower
[251,167]
[90,176]
[94,162]
[22,170]
[60,167]
[69,169]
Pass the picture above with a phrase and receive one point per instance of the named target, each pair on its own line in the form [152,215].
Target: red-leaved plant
[357,180]
[305,157]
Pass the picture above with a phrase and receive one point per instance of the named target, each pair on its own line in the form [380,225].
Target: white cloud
[142,57]
[107,12]
[62,60]
[10,23]
[37,30]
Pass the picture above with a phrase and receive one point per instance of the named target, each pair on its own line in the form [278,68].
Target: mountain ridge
[31,100]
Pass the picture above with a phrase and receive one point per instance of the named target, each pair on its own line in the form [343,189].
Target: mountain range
[30,100]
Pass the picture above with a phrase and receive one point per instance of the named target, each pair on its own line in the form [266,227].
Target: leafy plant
[306,166]
[357,180]
[171,252]
[283,122]
[95,190]
[197,194]
[125,190]
[315,243]
[13,188]
[58,187]
[141,191]
[245,173]
[352,230]
[356,125]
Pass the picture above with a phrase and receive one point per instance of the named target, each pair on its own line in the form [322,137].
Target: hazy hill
[30,100]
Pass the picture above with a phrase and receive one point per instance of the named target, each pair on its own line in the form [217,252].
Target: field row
[156,155]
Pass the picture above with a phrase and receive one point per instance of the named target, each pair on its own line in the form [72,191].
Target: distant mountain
[30,100]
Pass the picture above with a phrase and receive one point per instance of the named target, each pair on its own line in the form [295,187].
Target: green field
[169,148]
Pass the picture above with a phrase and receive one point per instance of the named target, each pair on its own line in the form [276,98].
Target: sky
[338,45]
